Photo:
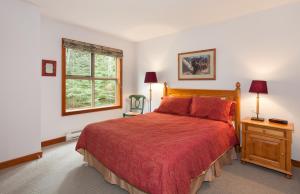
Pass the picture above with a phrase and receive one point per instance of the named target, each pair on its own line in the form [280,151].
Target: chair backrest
[137,103]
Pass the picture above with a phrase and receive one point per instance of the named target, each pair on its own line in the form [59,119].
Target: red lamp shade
[150,77]
[259,86]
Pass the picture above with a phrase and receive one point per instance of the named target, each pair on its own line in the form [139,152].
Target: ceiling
[139,20]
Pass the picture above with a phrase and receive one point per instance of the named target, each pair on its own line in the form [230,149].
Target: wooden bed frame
[227,94]
[213,170]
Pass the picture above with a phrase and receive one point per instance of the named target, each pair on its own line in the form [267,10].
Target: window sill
[82,111]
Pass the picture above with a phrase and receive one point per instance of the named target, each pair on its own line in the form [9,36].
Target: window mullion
[93,79]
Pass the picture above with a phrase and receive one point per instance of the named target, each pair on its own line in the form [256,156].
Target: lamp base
[257,119]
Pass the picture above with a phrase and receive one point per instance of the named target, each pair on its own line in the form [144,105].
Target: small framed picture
[197,65]
[48,68]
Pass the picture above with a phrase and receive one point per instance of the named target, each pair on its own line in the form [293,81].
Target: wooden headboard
[227,94]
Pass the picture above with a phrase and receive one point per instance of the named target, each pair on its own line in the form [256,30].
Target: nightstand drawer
[266,150]
[266,131]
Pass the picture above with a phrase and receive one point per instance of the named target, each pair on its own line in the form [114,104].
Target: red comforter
[158,153]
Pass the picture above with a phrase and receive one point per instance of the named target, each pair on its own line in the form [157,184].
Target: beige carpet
[62,171]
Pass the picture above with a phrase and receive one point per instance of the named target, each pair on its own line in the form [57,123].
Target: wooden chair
[136,105]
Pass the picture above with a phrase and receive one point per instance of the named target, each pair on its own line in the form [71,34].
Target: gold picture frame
[197,65]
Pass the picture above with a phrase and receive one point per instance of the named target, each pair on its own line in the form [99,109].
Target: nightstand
[267,144]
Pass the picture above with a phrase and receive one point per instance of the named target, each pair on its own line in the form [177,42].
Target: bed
[162,153]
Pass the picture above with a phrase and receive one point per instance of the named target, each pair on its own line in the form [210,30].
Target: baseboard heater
[73,135]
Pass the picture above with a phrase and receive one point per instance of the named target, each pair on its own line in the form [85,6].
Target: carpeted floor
[62,171]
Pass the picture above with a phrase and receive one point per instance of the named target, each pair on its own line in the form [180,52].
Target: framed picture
[197,65]
[48,68]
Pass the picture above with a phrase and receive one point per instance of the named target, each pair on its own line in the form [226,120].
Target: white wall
[53,124]
[19,79]
[264,46]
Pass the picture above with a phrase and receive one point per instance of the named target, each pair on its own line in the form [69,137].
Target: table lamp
[150,77]
[259,87]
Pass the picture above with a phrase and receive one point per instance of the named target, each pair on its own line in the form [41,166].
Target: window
[91,77]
